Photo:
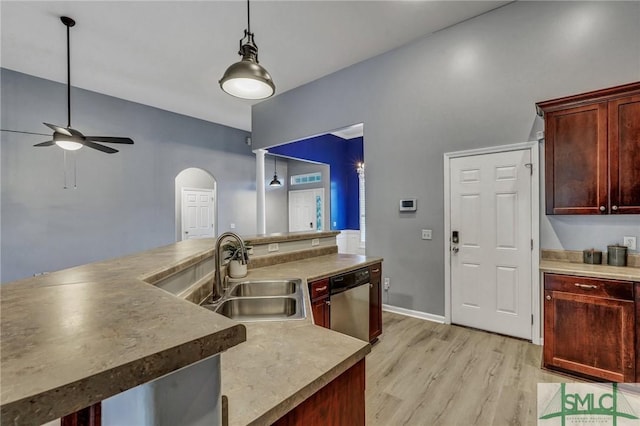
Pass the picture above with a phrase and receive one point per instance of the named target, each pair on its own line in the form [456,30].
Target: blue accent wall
[342,157]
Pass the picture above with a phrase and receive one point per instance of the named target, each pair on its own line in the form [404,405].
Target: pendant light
[247,79]
[275,182]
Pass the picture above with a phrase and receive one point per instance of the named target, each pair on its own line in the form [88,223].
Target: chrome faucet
[219,285]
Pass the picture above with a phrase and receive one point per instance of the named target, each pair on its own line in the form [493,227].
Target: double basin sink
[262,300]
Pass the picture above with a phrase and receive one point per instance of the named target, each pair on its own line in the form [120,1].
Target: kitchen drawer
[319,288]
[597,287]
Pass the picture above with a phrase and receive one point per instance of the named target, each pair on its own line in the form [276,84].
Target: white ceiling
[171,54]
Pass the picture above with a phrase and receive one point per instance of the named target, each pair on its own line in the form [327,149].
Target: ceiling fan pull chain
[75,171]
[64,154]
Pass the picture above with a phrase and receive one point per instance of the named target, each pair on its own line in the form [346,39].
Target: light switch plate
[630,242]
[426,234]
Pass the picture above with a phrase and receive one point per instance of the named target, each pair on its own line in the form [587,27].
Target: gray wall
[472,85]
[124,202]
[297,167]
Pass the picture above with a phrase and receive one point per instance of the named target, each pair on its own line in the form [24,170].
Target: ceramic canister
[617,255]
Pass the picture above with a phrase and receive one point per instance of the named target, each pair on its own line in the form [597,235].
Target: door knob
[455,249]
[614,208]
[602,208]
[311,225]
[548,297]
[186,232]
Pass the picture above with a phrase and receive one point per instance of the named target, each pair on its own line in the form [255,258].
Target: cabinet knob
[548,297]
[328,302]
[602,208]
[614,208]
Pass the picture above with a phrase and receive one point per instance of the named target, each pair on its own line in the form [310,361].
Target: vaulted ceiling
[171,54]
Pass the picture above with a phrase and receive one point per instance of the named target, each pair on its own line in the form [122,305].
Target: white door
[490,210]
[306,210]
[197,213]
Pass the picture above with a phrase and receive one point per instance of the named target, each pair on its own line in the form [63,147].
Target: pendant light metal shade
[275,182]
[247,79]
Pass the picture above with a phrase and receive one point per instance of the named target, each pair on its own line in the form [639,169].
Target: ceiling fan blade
[26,133]
[46,143]
[99,147]
[58,129]
[110,139]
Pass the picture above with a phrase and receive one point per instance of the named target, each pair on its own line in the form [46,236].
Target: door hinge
[531,319]
[532,244]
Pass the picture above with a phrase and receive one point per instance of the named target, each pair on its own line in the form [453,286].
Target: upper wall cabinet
[592,152]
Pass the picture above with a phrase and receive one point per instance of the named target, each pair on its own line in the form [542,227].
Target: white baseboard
[414,314]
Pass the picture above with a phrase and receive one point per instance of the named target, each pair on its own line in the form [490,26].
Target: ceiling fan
[69,138]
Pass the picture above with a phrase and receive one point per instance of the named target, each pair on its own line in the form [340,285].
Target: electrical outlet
[273,247]
[426,234]
[387,284]
[232,225]
[315,242]
[630,242]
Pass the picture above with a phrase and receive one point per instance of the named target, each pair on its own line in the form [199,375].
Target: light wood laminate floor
[424,373]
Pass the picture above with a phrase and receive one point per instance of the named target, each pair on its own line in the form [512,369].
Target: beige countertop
[283,363]
[77,336]
[286,236]
[626,273]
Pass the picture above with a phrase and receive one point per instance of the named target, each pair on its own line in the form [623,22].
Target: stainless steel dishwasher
[350,303]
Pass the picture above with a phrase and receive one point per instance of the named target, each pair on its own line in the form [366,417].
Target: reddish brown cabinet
[375,302]
[320,304]
[592,152]
[340,402]
[589,327]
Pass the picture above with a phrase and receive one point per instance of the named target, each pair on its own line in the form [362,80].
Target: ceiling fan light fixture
[69,145]
[247,79]
[67,142]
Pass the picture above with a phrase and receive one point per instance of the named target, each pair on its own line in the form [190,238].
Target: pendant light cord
[248,18]
[68,80]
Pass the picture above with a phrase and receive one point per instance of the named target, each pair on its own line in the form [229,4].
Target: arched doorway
[196,206]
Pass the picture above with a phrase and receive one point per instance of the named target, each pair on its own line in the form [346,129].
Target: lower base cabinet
[341,402]
[590,327]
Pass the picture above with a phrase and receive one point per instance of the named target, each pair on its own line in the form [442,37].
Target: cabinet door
[637,285]
[593,336]
[321,312]
[375,302]
[624,155]
[576,160]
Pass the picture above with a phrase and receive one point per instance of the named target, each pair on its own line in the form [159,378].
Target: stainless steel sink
[263,288]
[262,300]
[259,308]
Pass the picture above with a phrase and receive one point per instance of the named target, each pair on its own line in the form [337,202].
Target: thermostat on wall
[408,205]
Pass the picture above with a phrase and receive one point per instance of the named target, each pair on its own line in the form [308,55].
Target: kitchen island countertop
[80,335]
[284,362]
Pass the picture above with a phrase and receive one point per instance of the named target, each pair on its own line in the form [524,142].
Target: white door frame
[536,291]
[213,203]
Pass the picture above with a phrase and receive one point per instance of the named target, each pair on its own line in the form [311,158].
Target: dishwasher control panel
[349,280]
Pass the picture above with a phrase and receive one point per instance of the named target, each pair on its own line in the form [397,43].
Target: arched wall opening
[194,179]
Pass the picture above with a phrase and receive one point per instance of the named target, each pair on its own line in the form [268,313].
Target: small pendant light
[247,79]
[275,182]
